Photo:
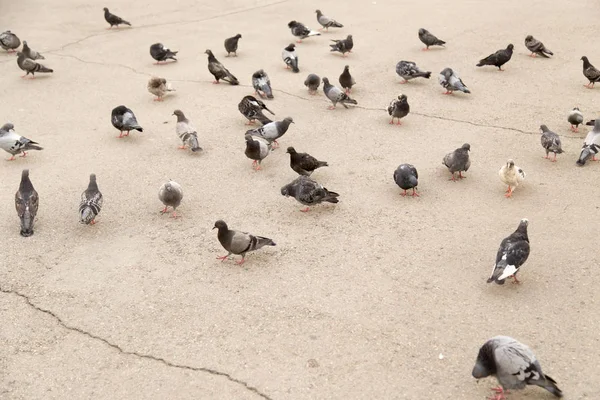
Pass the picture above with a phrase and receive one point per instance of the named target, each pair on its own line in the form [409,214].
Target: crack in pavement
[134,353]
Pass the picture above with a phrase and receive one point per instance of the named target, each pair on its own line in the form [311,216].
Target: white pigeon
[512,176]
[591,145]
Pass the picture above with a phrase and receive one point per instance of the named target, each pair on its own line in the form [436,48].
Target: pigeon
[300,31]
[231,45]
[512,176]
[536,47]
[112,19]
[32,54]
[124,120]
[398,108]
[346,80]
[160,54]
[429,40]
[327,22]
[591,145]
[170,194]
[550,142]
[13,143]
[239,243]
[186,132]
[512,254]
[26,203]
[262,84]
[304,163]
[312,82]
[308,192]
[219,71]
[272,131]
[30,66]
[513,364]
[406,177]
[451,81]
[458,161]
[336,95]
[159,87]
[408,70]
[498,59]
[91,203]
[290,57]
[251,108]
[257,149]
[575,119]
[590,72]
[342,45]
[9,41]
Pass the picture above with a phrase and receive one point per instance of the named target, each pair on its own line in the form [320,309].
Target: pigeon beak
[214,227]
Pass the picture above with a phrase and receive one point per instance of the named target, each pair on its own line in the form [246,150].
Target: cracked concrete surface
[356,301]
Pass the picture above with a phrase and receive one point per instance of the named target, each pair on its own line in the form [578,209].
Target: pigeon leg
[287,66]
[344,54]
[23,76]
[554,160]
[174,215]
[414,193]
[299,41]
[11,158]
[307,209]
[24,154]
[127,134]
[594,158]
[508,193]
[216,82]
[515,280]
[223,258]
[120,135]
[164,210]
[448,92]
[402,82]
[276,144]
[398,122]
[500,69]
[403,194]
[460,175]
[93,222]
[250,122]
[243,260]
[181,147]
[425,49]
[392,121]
[452,179]
[532,55]
[331,108]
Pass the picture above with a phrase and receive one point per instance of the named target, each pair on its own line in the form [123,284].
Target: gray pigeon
[160,54]
[186,132]
[30,66]
[591,145]
[312,82]
[257,149]
[514,365]
[429,40]
[91,203]
[13,143]
[536,47]
[458,161]
[406,177]
[219,71]
[342,45]
[512,254]
[327,22]
[251,108]
[123,119]
[451,81]
[304,163]
[575,118]
[170,194]
[272,131]
[236,242]
[308,192]
[9,41]
[32,54]
[498,59]
[398,108]
[159,87]
[231,45]
[550,142]
[26,203]
[262,84]
[336,95]
[590,72]
[290,58]
[408,70]
[113,20]
[346,80]
[301,31]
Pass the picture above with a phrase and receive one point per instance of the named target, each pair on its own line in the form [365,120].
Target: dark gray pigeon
[160,54]
[262,84]
[327,22]
[34,55]
[170,194]
[124,120]
[290,58]
[312,82]
[301,31]
[452,82]
[13,143]
[308,192]
[458,161]
[336,95]
[406,177]
[257,149]
[398,108]
[239,243]
[498,59]
[536,47]
[591,145]
[251,108]
[91,203]
[408,70]
[512,254]
[429,40]
[590,72]
[26,203]
[346,80]
[9,41]
[219,71]
[304,163]
[342,45]
[272,131]
[550,142]
[113,20]
[30,66]
[231,45]
[186,132]
[514,365]
[575,118]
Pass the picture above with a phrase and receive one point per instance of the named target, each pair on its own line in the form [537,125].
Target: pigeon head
[403,98]
[528,38]
[259,73]
[210,53]
[543,128]
[120,110]
[586,62]
[248,137]
[291,150]
[24,43]
[7,127]
[292,24]
[285,191]
[422,31]
[484,365]
[325,81]
[238,36]
[289,120]
[25,174]
[347,68]
[575,109]
[466,146]
[105,9]
[318,12]
[179,113]
[92,178]
[220,224]
[510,47]
[291,47]
[510,164]
[524,222]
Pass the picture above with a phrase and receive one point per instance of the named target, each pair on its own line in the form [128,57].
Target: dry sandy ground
[373,289]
